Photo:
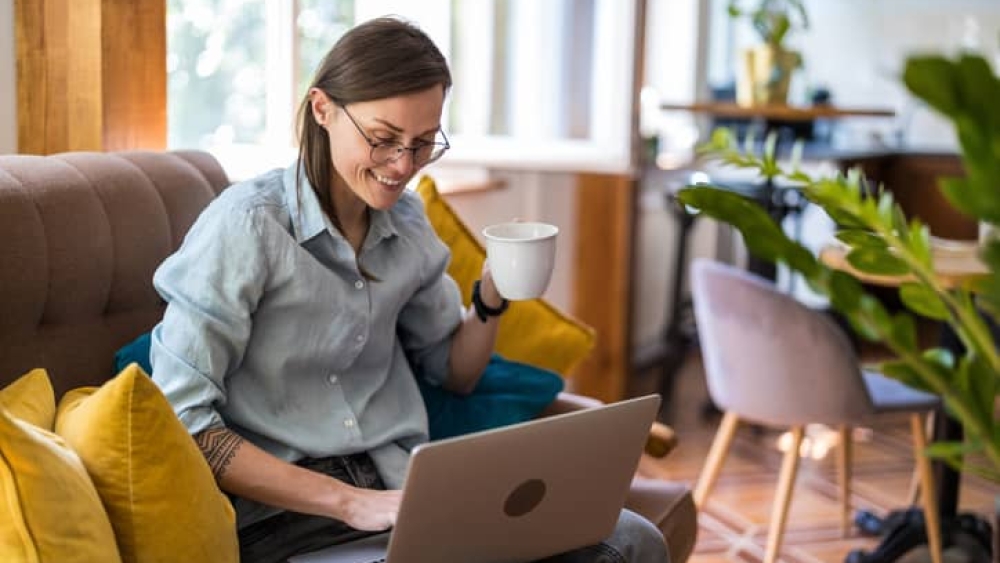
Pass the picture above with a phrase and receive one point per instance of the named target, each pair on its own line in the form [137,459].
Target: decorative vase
[765,74]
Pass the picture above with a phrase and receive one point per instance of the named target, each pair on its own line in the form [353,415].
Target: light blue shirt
[272,330]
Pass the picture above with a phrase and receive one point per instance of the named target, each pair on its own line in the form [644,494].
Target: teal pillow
[136,351]
[507,393]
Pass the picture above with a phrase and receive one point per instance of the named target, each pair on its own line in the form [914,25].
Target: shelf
[778,112]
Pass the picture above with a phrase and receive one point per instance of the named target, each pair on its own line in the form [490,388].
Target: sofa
[82,235]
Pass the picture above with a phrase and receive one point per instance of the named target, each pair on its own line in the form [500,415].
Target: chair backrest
[82,234]
[769,358]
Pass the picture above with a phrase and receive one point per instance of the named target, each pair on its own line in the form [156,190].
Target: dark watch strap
[482,309]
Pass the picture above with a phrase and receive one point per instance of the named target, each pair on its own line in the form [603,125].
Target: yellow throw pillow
[533,332]
[156,486]
[49,509]
[30,398]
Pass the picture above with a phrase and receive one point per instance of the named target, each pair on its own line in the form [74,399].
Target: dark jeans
[281,536]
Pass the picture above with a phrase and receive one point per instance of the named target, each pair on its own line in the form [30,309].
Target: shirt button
[360,338]
[332,378]
[349,422]
[359,284]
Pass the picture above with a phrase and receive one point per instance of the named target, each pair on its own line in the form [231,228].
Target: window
[543,85]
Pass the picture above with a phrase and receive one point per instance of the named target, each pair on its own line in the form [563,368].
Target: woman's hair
[380,58]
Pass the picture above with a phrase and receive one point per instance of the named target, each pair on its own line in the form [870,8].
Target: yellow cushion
[30,398]
[49,509]
[533,332]
[156,486]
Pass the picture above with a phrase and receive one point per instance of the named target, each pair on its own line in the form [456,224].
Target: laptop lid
[518,493]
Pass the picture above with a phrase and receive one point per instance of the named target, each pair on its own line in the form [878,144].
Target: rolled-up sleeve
[212,286]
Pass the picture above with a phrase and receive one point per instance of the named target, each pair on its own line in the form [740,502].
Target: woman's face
[410,119]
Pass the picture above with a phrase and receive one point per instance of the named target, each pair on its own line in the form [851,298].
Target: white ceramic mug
[521,257]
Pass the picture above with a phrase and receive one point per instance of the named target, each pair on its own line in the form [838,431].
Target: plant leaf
[904,330]
[981,385]
[933,80]
[920,242]
[871,317]
[940,357]
[844,291]
[857,238]
[923,301]
[875,261]
[951,453]
[905,373]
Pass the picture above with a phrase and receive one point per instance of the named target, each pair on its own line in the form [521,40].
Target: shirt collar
[309,220]
[380,225]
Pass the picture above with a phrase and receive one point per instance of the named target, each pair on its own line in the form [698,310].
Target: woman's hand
[370,510]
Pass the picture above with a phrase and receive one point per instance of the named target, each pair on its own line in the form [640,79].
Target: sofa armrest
[661,440]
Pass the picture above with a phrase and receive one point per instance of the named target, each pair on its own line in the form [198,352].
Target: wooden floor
[733,525]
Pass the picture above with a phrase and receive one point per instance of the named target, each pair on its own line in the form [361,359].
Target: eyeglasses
[384,152]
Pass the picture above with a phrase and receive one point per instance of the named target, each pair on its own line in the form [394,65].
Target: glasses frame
[400,147]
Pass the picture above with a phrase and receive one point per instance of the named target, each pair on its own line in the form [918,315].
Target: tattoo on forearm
[218,445]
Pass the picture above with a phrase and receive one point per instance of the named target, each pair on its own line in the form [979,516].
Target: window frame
[607,149]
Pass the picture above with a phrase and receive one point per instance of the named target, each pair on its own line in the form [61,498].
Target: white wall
[857,48]
[867,68]
[8,77]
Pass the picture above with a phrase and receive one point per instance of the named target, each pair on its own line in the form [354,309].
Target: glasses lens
[430,153]
[384,153]
[387,152]
[423,153]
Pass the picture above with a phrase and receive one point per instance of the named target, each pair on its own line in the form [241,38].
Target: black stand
[679,335]
[904,530]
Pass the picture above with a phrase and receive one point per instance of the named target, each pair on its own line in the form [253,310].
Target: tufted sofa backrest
[81,235]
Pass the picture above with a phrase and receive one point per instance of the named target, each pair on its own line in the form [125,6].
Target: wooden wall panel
[91,75]
[58,75]
[135,74]
[601,292]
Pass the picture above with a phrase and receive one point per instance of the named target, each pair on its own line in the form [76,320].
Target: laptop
[513,494]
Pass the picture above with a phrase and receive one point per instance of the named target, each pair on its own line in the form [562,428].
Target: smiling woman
[305,304]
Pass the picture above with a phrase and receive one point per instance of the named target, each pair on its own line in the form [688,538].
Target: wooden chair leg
[927,489]
[783,498]
[844,454]
[716,455]
[913,491]
[913,494]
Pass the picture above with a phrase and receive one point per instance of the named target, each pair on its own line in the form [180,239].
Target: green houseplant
[767,67]
[883,240]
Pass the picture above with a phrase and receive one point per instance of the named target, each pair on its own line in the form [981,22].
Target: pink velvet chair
[772,361]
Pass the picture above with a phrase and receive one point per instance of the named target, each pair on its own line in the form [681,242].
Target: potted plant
[882,240]
[766,69]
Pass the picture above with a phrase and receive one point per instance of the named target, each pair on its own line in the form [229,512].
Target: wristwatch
[482,309]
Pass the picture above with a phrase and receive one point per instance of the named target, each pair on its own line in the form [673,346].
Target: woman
[302,302]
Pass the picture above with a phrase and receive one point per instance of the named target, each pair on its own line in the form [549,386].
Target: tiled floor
[733,526]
